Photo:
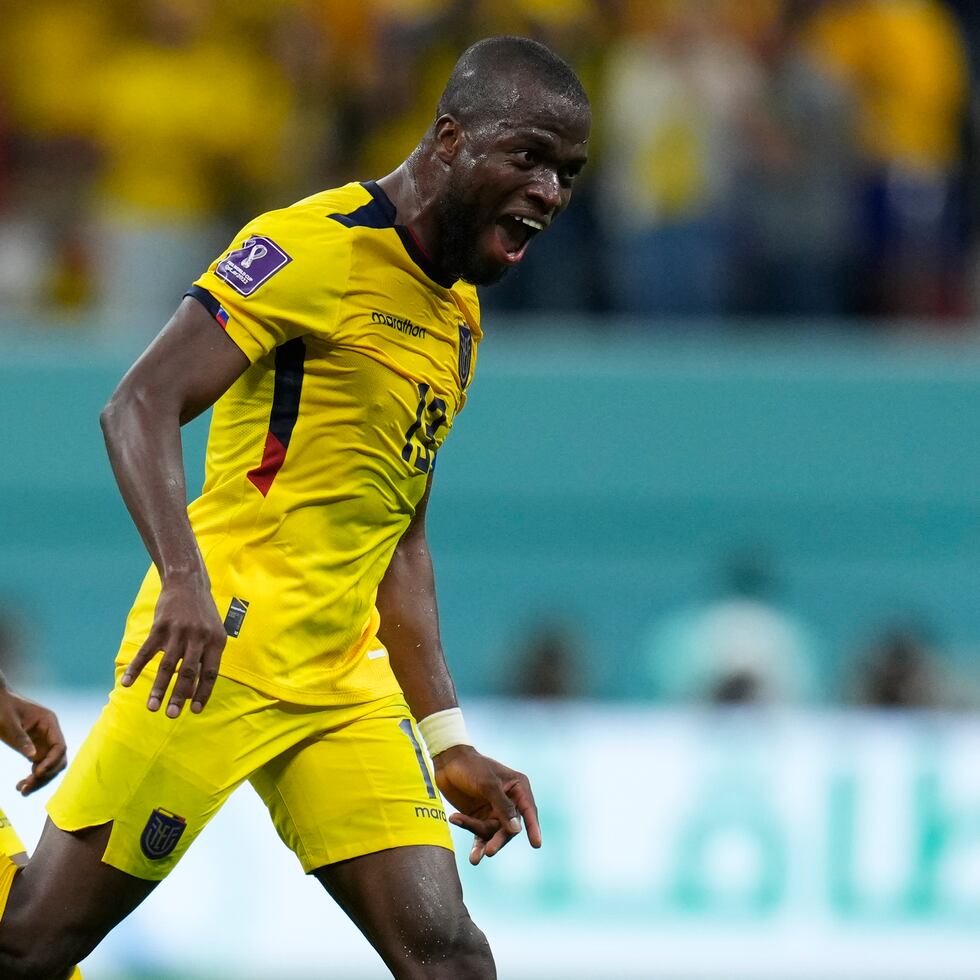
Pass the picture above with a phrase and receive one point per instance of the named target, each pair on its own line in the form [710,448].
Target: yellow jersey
[360,356]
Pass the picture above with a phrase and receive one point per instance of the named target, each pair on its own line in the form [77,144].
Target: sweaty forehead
[523,108]
[520,97]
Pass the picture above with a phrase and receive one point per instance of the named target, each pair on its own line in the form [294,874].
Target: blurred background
[708,533]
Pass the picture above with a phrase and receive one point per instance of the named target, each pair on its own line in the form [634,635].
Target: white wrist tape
[444,729]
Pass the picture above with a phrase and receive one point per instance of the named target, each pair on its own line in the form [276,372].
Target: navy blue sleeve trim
[205,299]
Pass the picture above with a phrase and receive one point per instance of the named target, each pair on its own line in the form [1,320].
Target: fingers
[150,648]
[38,736]
[509,800]
[477,827]
[196,676]
[53,758]
[191,636]
[503,810]
[490,834]
[193,659]
[168,664]
[206,679]
[478,851]
[186,680]
[482,831]
[520,793]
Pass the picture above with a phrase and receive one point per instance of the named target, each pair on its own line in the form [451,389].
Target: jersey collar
[418,254]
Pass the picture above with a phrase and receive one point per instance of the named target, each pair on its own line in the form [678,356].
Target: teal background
[596,476]
[743,844]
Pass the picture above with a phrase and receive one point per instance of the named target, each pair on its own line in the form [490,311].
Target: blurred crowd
[751,157]
[741,644]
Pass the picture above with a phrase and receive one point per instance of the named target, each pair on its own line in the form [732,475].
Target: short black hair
[482,85]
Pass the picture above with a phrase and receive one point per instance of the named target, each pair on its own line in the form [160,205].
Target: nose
[546,190]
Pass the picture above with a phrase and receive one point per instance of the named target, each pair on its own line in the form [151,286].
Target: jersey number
[421,435]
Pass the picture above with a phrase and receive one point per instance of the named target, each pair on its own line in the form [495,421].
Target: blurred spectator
[793,231]
[189,118]
[676,83]
[746,153]
[47,56]
[741,648]
[906,63]
[549,665]
[902,669]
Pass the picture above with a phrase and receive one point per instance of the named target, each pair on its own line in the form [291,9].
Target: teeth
[531,223]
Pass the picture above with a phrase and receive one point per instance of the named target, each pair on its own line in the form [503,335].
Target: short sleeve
[283,276]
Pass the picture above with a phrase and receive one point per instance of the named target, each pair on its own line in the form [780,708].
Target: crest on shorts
[161,833]
[465,354]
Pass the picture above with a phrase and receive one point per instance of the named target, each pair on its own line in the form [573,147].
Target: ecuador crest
[465,354]
[161,833]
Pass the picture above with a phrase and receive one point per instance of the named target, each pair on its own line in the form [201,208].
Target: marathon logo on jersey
[161,833]
[400,323]
[235,616]
[246,268]
[465,353]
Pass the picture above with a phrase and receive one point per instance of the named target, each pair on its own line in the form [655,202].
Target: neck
[412,189]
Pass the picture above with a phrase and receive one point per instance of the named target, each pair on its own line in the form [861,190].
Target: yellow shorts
[339,781]
[10,842]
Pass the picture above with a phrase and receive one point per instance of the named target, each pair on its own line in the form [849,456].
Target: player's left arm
[490,797]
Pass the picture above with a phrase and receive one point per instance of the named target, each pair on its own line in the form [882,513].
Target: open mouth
[514,232]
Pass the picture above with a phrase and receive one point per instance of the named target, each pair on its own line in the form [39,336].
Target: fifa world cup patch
[161,833]
[246,268]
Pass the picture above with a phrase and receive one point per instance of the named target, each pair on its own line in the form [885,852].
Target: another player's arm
[32,730]
[183,372]
[488,795]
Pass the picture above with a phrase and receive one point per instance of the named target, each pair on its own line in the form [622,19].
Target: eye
[567,175]
[527,158]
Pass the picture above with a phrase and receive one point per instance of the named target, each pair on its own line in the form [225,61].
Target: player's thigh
[63,902]
[360,786]
[408,902]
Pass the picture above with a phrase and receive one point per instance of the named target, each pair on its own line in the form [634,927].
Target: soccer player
[291,608]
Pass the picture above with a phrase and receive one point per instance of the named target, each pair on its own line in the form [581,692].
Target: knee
[457,949]
[471,955]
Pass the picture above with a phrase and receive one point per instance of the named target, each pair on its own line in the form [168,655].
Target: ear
[449,138]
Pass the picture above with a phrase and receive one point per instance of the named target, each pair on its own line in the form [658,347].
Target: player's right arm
[190,364]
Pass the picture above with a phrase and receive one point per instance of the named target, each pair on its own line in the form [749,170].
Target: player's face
[509,181]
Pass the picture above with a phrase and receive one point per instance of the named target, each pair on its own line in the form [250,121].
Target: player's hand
[188,631]
[491,799]
[32,730]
